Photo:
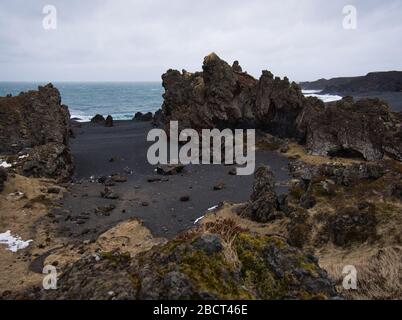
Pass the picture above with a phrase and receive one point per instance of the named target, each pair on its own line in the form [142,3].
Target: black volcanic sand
[94,147]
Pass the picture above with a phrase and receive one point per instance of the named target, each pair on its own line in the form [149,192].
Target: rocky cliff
[390,81]
[365,129]
[34,133]
[223,96]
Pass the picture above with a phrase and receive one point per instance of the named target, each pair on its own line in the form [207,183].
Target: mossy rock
[200,265]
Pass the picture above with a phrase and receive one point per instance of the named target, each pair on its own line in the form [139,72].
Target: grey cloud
[138,40]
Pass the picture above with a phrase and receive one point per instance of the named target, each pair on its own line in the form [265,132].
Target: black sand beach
[100,151]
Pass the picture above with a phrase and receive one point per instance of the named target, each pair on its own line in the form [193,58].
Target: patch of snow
[213,208]
[198,219]
[14,243]
[24,156]
[4,164]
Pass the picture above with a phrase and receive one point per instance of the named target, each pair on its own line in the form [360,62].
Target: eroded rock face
[222,96]
[37,125]
[341,174]
[3,178]
[32,119]
[263,205]
[348,129]
[52,160]
[352,225]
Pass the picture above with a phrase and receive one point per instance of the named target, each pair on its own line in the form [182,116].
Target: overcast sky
[123,40]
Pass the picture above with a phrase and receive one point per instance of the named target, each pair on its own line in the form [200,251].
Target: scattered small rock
[105,210]
[157,179]
[185,198]
[169,169]
[53,190]
[219,186]
[116,177]
[108,193]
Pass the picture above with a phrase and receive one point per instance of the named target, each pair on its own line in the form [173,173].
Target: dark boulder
[169,169]
[236,67]
[98,119]
[139,116]
[3,178]
[353,225]
[51,160]
[158,119]
[263,205]
[109,121]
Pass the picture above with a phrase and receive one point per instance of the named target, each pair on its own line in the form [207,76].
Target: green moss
[308,266]
[255,273]
[116,257]
[212,273]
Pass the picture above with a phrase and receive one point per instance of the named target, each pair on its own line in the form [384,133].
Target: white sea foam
[323,97]
[85,118]
[80,117]
[14,243]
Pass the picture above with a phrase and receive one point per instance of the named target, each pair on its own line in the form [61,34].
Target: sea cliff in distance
[386,85]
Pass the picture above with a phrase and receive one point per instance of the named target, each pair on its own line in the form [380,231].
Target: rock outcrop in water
[36,125]
[223,96]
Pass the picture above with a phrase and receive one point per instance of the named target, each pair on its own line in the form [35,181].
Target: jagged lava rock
[51,160]
[32,119]
[348,128]
[3,178]
[98,119]
[222,96]
[263,205]
[109,121]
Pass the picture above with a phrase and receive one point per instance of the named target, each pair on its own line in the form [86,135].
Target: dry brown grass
[297,151]
[379,273]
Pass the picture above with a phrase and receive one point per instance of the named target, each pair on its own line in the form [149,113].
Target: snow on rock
[14,243]
[4,164]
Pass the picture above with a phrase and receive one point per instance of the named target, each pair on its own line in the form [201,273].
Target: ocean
[119,99]
[85,99]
